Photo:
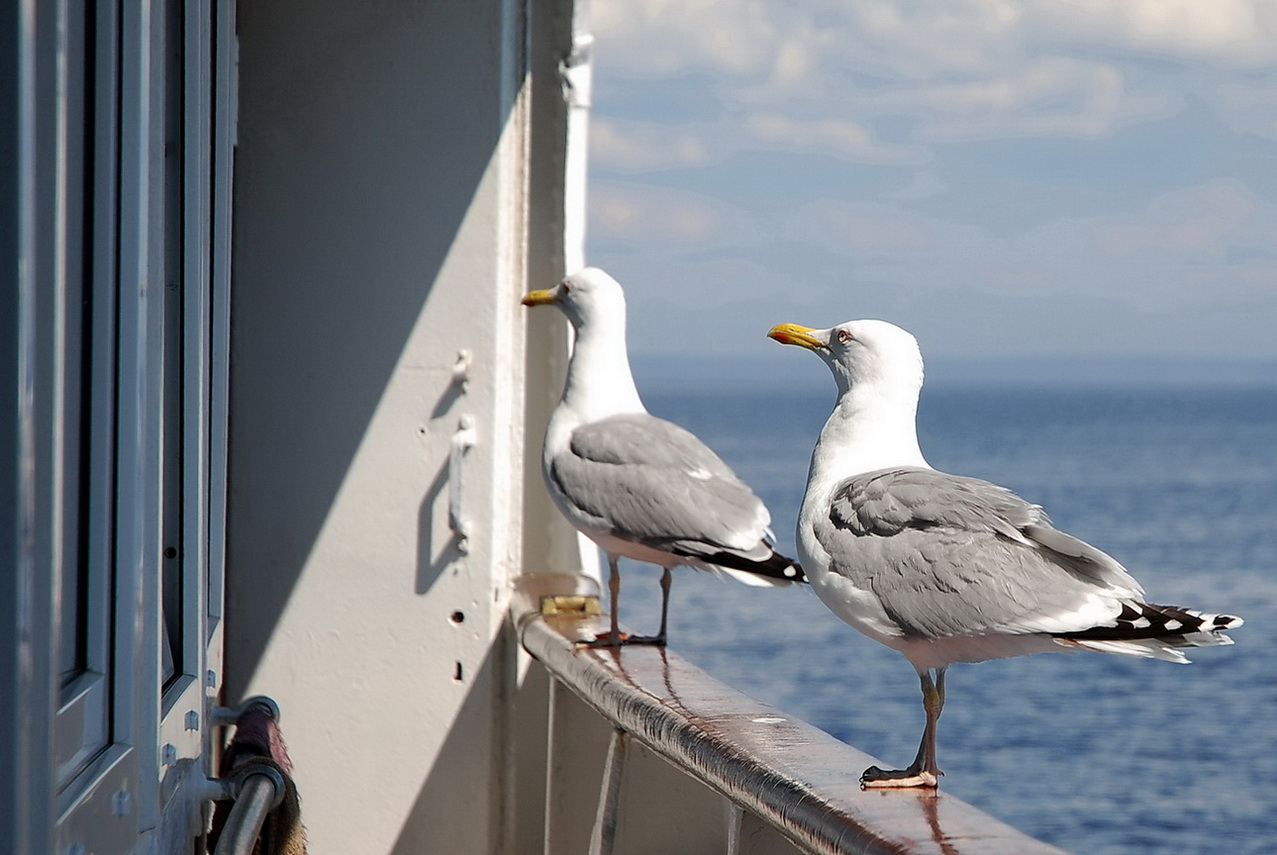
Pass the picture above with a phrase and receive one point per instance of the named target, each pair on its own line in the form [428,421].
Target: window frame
[85,267]
[131,750]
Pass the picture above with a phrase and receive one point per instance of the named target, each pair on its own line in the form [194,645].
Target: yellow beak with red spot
[799,335]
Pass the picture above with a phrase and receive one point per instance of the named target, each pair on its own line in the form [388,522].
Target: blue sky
[1001,177]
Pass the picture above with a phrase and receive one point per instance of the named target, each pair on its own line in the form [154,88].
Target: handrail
[257,785]
[258,788]
[794,777]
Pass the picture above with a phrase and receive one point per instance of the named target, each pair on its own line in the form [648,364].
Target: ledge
[796,778]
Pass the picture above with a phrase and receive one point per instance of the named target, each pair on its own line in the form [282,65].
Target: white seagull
[945,568]
[636,485]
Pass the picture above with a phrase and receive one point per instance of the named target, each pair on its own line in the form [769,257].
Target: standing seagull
[945,568]
[637,485]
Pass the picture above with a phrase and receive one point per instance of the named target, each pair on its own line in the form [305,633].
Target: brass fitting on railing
[562,598]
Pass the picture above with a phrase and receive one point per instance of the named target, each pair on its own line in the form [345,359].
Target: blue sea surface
[1091,752]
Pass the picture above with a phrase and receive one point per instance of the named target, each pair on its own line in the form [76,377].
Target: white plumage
[946,568]
[639,486]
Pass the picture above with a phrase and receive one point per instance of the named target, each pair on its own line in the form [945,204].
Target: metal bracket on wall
[575,72]
[461,369]
[224,716]
[462,441]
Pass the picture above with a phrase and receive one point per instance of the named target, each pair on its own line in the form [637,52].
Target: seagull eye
[843,336]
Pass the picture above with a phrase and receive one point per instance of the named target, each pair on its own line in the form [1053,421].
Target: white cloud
[639,146]
[1197,221]
[923,184]
[1047,96]
[631,146]
[664,37]
[861,230]
[1218,233]
[928,40]
[960,70]
[1247,103]
[639,214]
[833,136]
[699,285]
[1196,268]
[1153,230]
[1226,33]
[921,40]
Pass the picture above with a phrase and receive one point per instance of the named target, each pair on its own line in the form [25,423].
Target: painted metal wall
[396,192]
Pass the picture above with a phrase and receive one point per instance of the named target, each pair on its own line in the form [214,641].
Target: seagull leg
[613,638]
[667,580]
[923,772]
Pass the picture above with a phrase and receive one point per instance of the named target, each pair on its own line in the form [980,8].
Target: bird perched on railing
[637,485]
[945,568]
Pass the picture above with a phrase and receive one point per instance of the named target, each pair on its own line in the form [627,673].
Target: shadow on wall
[349,192]
[444,808]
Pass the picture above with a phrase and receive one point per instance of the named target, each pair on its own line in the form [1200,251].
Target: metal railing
[255,787]
[681,742]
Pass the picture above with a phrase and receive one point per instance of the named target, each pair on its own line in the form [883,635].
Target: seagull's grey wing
[649,481]
[643,439]
[948,555]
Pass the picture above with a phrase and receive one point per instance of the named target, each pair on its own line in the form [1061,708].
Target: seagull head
[586,297]
[862,354]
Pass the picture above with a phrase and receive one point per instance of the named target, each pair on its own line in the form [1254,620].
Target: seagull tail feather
[774,570]
[1145,629]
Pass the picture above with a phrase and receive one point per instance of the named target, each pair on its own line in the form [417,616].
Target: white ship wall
[394,199]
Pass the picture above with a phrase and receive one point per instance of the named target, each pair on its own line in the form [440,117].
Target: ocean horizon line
[666,373]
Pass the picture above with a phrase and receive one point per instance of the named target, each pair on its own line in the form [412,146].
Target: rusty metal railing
[788,786]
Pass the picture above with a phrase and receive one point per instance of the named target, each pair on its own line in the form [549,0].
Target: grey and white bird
[640,486]
[945,568]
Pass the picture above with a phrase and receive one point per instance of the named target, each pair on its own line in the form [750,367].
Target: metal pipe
[258,789]
[603,838]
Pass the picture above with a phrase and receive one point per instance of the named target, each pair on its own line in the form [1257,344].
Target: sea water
[1091,752]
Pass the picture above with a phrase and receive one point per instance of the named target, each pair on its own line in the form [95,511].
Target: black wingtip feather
[1147,620]
[776,567]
